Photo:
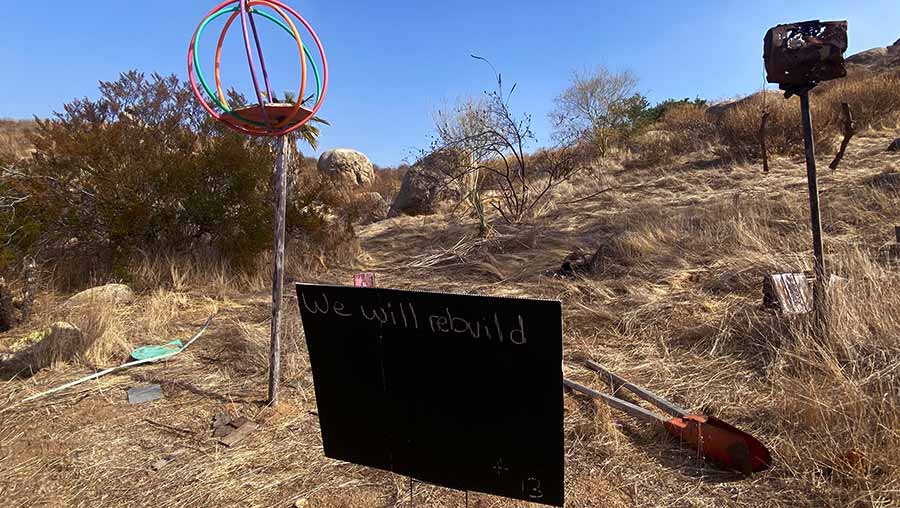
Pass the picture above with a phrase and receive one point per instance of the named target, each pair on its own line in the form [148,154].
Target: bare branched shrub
[601,107]
[489,144]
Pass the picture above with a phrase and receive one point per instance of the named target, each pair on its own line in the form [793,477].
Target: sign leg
[281,161]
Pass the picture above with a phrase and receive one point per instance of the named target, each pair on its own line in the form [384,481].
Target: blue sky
[393,62]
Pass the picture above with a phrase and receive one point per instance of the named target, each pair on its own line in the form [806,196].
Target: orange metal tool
[711,437]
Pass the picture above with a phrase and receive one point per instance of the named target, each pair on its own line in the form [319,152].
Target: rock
[110,294]
[346,166]
[428,182]
[61,342]
[877,59]
[373,207]
[895,146]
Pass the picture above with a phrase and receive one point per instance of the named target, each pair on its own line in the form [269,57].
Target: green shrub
[143,169]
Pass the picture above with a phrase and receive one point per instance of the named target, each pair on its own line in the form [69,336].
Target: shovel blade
[721,442]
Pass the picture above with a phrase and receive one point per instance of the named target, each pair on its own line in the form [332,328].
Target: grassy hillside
[674,305]
[685,231]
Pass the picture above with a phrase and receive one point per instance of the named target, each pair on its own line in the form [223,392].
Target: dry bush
[739,126]
[687,128]
[873,98]
[387,181]
[683,129]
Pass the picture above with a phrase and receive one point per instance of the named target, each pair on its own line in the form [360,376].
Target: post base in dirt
[281,161]
[819,297]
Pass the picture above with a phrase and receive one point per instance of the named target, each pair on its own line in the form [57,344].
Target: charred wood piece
[849,132]
[762,141]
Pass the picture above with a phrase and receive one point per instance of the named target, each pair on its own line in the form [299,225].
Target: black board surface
[460,391]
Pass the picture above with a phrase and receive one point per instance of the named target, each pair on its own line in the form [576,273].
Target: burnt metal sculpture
[806,52]
[798,56]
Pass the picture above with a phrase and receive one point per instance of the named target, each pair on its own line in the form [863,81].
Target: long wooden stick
[762,141]
[849,132]
[281,161]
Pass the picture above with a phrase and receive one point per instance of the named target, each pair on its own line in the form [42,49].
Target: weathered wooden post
[268,118]
[282,160]
[798,56]
[814,212]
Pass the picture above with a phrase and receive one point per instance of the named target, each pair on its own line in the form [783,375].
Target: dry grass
[734,133]
[14,142]
[673,305]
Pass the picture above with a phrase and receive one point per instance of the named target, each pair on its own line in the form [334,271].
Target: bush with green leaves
[144,169]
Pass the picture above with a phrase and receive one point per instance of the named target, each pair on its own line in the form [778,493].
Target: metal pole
[815,218]
[282,160]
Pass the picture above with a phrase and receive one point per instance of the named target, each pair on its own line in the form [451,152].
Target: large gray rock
[346,166]
[108,295]
[428,182]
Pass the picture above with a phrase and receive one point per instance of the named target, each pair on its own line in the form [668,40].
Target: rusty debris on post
[798,56]
[849,132]
[805,53]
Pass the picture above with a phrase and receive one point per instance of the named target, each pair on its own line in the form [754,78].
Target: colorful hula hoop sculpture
[266,118]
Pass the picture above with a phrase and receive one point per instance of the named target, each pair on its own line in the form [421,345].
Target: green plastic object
[151,352]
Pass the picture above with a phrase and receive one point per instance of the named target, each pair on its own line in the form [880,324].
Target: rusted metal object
[849,132]
[711,437]
[805,53]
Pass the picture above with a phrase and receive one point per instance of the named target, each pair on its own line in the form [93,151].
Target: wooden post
[762,141]
[815,218]
[281,161]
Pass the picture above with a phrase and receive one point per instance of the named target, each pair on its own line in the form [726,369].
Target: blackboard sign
[460,391]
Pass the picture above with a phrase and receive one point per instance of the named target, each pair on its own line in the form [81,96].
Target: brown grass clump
[683,129]
[14,139]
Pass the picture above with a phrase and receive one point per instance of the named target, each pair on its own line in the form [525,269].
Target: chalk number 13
[532,488]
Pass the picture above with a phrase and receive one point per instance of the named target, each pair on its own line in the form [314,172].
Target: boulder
[346,166]
[894,146]
[428,182]
[108,295]
[61,342]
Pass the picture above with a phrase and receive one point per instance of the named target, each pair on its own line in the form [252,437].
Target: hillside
[675,306]
[681,224]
